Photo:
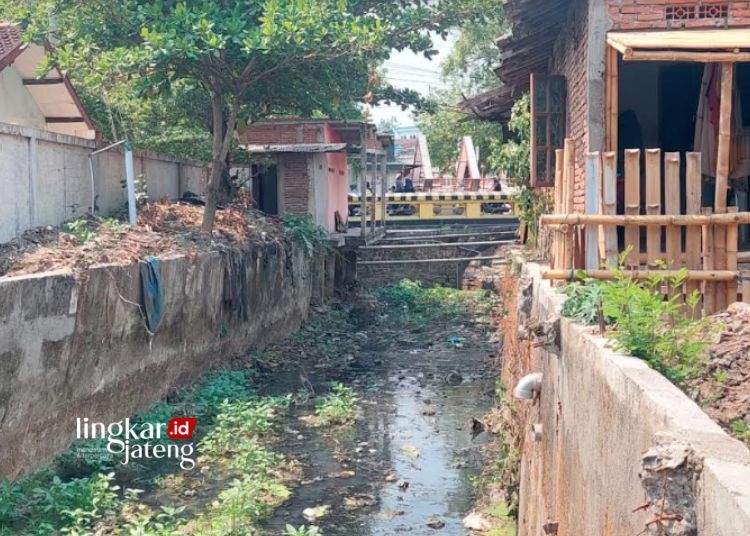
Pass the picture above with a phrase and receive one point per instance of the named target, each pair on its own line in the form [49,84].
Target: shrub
[653,327]
[337,408]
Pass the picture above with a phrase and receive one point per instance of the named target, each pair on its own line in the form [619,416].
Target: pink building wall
[338,181]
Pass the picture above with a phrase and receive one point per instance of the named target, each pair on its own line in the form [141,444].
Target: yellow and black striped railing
[428,206]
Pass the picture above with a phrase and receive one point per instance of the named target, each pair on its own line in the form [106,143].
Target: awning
[683,45]
[297,148]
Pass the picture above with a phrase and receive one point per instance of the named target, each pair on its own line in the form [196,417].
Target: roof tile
[10,40]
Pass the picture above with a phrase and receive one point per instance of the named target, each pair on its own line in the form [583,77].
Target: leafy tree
[252,57]
[513,157]
[447,124]
[469,68]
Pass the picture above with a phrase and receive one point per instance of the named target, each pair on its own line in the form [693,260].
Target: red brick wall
[569,59]
[295,183]
[650,14]
[260,133]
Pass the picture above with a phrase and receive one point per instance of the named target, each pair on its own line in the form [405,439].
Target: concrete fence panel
[45,178]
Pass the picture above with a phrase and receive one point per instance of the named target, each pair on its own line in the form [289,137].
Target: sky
[408,70]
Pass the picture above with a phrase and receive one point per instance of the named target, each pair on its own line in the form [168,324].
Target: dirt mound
[163,229]
[724,390]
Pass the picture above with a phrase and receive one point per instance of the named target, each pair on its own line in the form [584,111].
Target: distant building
[48,103]
[303,166]
[406,142]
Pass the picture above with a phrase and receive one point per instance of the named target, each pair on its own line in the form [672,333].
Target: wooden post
[633,205]
[593,185]
[569,162]
[363,179]
[746,288]
[653,205]
[725,138]
[693,235]
[612,98]
[609,206]
[673,233]
[384,189]
[557,247]
[672,206]
[709,288]
[722,175]
[732,232]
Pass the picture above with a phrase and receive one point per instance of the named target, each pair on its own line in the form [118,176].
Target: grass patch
[233,423]
[415,305]
[741,430]
[337,408]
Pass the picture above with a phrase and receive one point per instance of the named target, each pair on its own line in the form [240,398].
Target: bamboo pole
[363,180]
[439,245]
[609,206]
[557,247]
[673,234]
[569,159]
[672,55]
[731,249]
[653,203]
[693,235]
[672,206]
[633,205]
[709,288]
[722,174]
[682,220]
[612,98]
[640,275]
[384,190]
[431,261]
[592,189]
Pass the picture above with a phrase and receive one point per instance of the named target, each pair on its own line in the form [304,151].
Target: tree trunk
[222,139]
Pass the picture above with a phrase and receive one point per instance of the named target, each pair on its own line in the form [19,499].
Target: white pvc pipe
[91,171]
[528,387]
[130,180]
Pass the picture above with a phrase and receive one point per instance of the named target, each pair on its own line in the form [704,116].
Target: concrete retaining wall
[600,412]
[442,273]
[76,346]
[46,179]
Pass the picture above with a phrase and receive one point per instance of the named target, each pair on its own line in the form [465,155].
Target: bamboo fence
[667,233]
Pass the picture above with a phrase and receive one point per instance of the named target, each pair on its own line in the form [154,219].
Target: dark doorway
[266,188]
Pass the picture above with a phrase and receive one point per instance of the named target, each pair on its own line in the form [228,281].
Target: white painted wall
[17,106]
[45,178]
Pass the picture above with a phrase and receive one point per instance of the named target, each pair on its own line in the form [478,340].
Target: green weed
[304,231]
[584,300]
[302,531]
[414,304]
[43,505]
[655,328]
[337,408]
[79,228]
[741,430]
[721,377]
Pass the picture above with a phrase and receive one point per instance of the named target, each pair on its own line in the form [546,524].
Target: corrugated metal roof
[297,148]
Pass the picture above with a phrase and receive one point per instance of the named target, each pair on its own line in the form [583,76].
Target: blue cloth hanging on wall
[153,293]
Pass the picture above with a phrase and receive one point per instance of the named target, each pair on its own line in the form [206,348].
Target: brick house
[301,165]
[625,74]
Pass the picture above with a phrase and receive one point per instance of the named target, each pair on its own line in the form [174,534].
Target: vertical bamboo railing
[710,263]
[693,235]
[609,207]
[633,205]
[653,205]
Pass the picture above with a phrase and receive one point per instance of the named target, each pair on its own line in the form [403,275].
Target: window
[548,96]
